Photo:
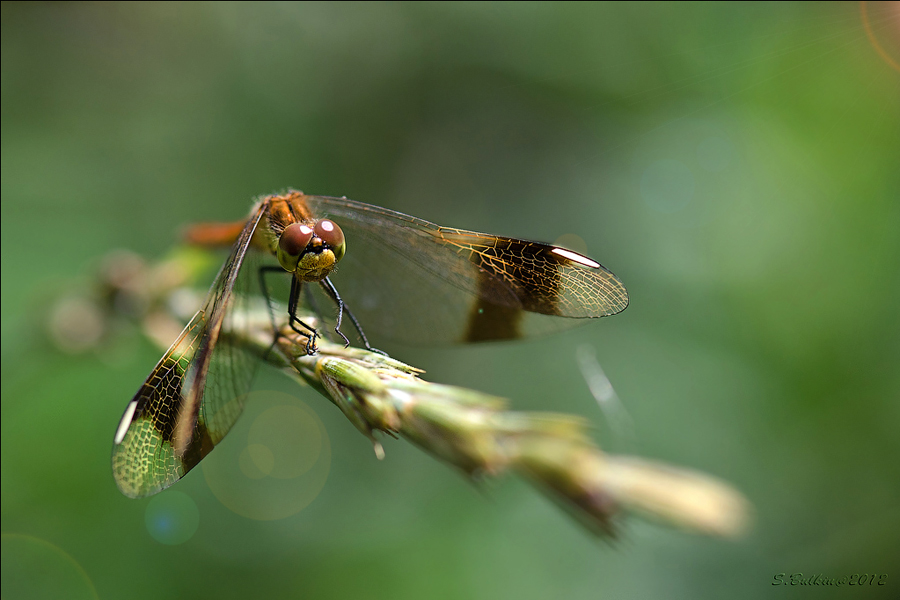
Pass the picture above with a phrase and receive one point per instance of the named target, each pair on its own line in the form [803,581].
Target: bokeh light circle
[275,461]
[256,461]
[36,569]
[667,185]
[172,518]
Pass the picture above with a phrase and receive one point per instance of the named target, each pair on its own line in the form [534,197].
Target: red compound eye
[294,239]
[329,232]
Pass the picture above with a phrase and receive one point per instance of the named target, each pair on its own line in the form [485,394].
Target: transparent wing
[195,394]
[414,281]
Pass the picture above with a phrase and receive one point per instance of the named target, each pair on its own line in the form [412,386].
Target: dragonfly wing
[195,394]
[418,282]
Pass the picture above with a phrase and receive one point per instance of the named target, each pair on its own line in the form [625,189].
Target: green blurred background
[737,165]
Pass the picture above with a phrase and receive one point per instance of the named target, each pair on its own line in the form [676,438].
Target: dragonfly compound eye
[329,232]
[292,244]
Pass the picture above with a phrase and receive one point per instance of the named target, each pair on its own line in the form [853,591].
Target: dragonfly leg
[342,308]
[311,333]
[332,291]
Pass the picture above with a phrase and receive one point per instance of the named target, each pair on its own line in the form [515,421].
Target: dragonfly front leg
[311,333]
[332,291]
[293,302]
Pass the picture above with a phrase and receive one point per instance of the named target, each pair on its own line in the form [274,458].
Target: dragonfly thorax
[311,251]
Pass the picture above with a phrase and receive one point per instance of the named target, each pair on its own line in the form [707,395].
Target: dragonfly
[402,277]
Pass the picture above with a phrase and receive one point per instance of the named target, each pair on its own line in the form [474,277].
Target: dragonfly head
[311,252]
